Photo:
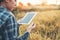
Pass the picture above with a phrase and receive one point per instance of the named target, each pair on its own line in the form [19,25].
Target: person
[9,28]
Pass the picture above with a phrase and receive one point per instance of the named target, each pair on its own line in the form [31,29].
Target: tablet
[27,18]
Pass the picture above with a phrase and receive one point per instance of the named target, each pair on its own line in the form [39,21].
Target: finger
[34,25]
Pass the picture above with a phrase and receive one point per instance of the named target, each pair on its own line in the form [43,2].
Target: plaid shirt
[9,27]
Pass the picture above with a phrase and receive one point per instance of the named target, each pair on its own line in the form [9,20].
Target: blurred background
[47,19]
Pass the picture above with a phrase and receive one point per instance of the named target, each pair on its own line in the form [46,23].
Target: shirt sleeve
[3,17]
[24,36]
[13,30]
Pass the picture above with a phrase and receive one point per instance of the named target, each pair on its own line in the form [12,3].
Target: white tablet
[27,18]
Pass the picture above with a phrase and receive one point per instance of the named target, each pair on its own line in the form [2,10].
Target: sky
[53,2]
[39,1]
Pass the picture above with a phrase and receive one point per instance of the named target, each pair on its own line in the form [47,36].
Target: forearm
[24,36]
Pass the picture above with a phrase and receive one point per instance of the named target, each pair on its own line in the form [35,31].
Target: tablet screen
[27,18]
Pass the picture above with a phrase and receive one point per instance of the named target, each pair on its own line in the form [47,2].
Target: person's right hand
[31,27]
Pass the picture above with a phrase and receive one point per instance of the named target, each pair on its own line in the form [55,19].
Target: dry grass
[47,25]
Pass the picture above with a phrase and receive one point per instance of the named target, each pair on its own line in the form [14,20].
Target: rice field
[47,25]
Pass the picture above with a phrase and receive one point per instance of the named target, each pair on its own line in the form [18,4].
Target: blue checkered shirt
[9,28]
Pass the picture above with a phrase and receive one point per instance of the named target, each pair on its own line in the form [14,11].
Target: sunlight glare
[38,1]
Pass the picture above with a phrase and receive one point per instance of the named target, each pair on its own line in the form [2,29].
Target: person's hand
[31,27]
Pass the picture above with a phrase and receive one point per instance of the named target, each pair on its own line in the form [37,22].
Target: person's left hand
[32,26]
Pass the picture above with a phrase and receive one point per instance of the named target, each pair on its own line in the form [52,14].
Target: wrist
[28,30]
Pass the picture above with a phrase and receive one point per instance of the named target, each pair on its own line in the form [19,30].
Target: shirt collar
[1,7]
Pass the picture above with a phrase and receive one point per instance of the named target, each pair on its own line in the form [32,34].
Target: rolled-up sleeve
[24,36]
